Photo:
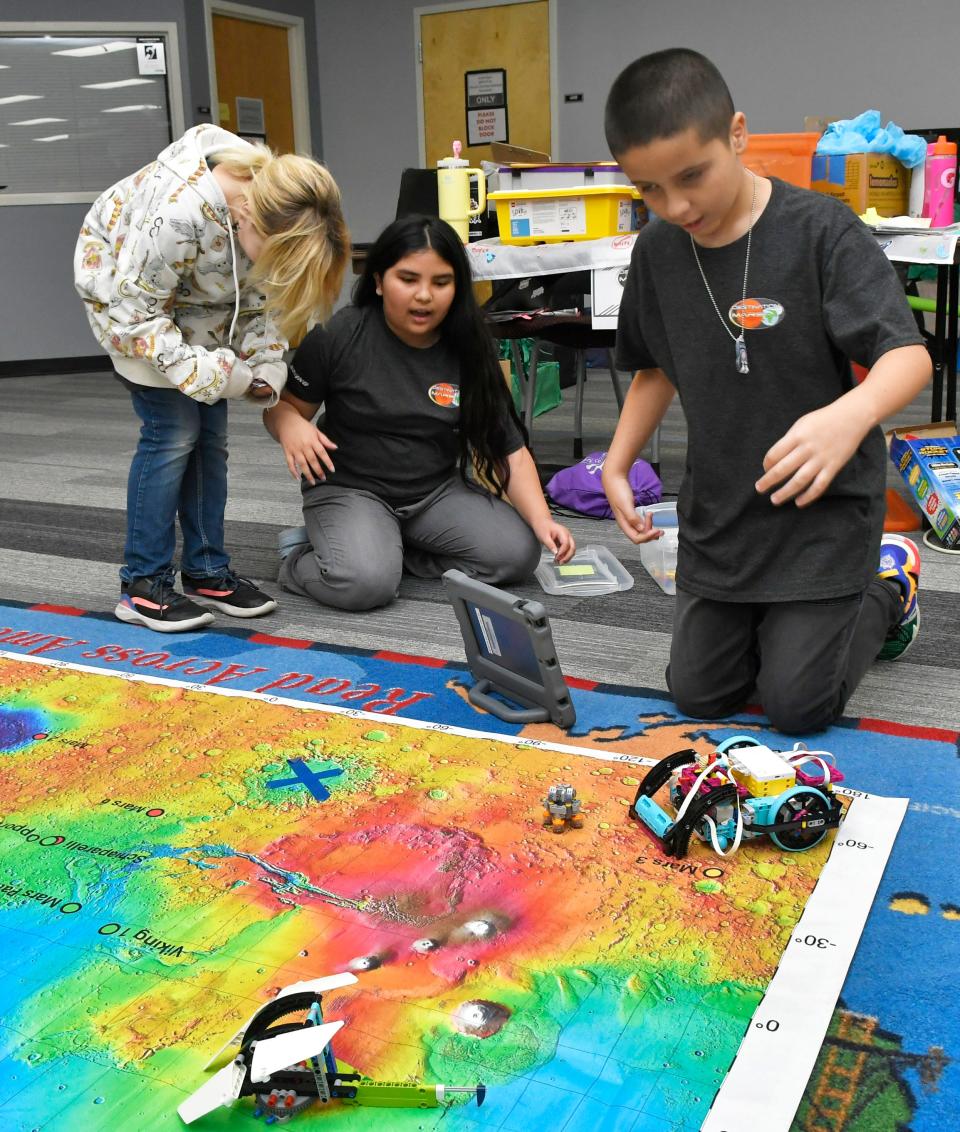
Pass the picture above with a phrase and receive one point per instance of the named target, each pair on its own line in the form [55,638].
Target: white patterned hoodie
[162,280]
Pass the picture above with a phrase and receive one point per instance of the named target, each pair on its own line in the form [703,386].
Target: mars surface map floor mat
[172,854]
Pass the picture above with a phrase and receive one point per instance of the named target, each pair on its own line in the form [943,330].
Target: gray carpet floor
[65,448]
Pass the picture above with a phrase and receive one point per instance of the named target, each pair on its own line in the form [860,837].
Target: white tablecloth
[937,247]
[491,259]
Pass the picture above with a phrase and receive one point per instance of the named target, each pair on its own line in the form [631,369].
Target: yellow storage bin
[545,216]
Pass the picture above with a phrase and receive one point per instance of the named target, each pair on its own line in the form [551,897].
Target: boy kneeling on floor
[782,503]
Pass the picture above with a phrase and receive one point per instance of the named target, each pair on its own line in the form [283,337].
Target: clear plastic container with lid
[659,557]
[593,571]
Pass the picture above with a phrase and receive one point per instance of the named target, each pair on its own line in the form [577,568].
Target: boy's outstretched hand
[804,461]
[637,526]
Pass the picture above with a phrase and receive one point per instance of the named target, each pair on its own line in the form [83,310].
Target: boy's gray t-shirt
[825,293]
[392,409]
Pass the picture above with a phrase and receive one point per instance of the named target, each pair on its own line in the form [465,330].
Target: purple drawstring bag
[579,488]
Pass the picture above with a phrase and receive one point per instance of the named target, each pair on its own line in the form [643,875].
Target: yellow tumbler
[453,192]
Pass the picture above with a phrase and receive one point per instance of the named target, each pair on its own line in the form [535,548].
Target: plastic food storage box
[659,557]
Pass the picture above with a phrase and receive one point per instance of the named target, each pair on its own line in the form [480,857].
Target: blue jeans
[179,470]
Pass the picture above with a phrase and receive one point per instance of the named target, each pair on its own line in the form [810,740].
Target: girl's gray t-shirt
[820,292]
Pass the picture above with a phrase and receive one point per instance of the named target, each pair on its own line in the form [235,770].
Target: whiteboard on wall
[82,108]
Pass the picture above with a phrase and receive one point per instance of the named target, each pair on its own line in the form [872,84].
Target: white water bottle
[917,182]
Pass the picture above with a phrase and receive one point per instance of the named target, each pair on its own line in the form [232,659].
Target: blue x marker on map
[304,776]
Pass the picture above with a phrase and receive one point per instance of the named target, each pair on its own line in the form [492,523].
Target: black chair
[418,193]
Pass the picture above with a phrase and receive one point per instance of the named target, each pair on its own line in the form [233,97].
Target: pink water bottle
[940,176]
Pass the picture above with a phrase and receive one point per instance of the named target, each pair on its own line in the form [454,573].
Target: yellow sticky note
[575,571]
[224,111]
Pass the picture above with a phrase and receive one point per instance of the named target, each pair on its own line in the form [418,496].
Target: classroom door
[253,63]
[511,37]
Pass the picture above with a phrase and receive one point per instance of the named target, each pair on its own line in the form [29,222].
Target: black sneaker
[154,602]
[237,596]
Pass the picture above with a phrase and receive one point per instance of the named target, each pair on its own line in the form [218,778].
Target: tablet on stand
[510,650]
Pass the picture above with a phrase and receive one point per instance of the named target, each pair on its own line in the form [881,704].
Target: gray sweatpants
[805,658]
[360,546]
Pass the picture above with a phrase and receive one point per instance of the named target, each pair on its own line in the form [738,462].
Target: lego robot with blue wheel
[742,789]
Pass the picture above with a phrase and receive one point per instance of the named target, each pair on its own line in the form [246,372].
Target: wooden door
[253,61]
[514,37]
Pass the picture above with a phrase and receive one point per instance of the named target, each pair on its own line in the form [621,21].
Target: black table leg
[578,405]
[951,360]
[939,343]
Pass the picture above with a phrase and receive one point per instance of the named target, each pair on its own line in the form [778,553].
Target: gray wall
[783,59]
[41,314]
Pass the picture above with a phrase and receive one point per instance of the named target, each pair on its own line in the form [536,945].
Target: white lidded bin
[557,176]
[659,557]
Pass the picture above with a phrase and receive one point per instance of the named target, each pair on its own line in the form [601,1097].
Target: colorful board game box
[928,457]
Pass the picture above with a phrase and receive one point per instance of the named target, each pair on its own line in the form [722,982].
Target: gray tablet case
[510,650]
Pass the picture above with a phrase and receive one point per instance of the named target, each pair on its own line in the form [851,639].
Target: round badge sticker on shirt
[444,395]
[756,314]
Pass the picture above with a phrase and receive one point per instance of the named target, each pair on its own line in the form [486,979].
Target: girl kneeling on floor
[415,404]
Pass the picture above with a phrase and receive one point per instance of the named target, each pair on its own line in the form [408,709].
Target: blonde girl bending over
[197,273]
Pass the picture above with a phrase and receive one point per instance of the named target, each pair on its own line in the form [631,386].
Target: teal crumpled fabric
[864,134]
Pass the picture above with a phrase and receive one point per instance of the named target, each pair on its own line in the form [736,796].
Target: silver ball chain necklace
[743,366]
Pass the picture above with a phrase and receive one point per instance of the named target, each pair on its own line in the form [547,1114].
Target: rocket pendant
[743,366]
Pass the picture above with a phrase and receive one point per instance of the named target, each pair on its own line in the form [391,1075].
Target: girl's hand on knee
[307,452]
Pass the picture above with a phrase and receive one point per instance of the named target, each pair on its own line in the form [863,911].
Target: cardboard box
[863,180]
[504,154]
[818,123]
[928,458]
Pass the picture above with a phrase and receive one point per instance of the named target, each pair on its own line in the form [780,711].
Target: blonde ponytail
[295,205]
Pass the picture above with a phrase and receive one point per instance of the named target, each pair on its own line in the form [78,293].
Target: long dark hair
[485,401]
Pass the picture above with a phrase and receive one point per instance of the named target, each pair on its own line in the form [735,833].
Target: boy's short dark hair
[663,94]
